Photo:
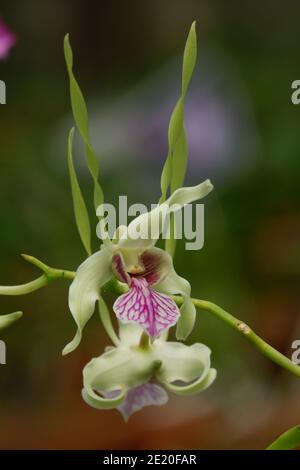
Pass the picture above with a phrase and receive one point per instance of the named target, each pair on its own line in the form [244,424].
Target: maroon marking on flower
[119,268]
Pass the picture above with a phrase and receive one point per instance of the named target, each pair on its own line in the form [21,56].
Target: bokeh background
[244,134]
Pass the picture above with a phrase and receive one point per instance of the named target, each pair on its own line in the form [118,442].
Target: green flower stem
[25,288]
[50,274]
[241,327]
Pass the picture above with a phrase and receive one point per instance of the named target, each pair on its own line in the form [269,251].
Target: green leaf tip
[27,257]
[68,53]
[189,58]
[6,320]
[36,262]
[287,441]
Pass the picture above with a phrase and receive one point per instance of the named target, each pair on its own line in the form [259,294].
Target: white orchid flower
[134,375]
[148,271]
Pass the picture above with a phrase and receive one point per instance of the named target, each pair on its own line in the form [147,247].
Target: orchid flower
[7,40]
[134,375]
[142,366]
[148,271]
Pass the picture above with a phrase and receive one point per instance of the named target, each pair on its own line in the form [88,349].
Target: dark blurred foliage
[250,264]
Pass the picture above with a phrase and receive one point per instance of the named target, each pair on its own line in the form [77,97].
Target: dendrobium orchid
[136,374]
[142,366]
[148,271]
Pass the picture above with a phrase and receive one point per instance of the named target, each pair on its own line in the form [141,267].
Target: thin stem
[241,327]
[25,288]
[50,274]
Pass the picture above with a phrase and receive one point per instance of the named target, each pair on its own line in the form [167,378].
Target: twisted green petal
[196,387]
[174,284]
[116,371]
[101,403]
[80,114]
[80,210]
[187,319]
[187,364]
[175,166]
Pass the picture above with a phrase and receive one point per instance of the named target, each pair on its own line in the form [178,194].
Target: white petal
[183,196]
[187,364]
[174,284]
[187,319]
[144,230]
[103,403]
[181,362]
[119,369]
[84,291]
[199,385]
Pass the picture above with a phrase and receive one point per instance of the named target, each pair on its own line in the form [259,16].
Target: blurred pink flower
[7,40]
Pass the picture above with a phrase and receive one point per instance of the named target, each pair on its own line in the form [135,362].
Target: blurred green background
[244,134]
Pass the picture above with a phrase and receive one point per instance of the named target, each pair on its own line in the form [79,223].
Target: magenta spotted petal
[154,311]
[141,396]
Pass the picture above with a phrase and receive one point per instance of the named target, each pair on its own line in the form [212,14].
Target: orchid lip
[148,394]
[154,311]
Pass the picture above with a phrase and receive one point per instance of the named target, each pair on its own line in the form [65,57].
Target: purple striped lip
[154,311]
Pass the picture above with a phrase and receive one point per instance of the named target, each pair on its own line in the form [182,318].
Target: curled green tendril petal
[80,114]
[80,210]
